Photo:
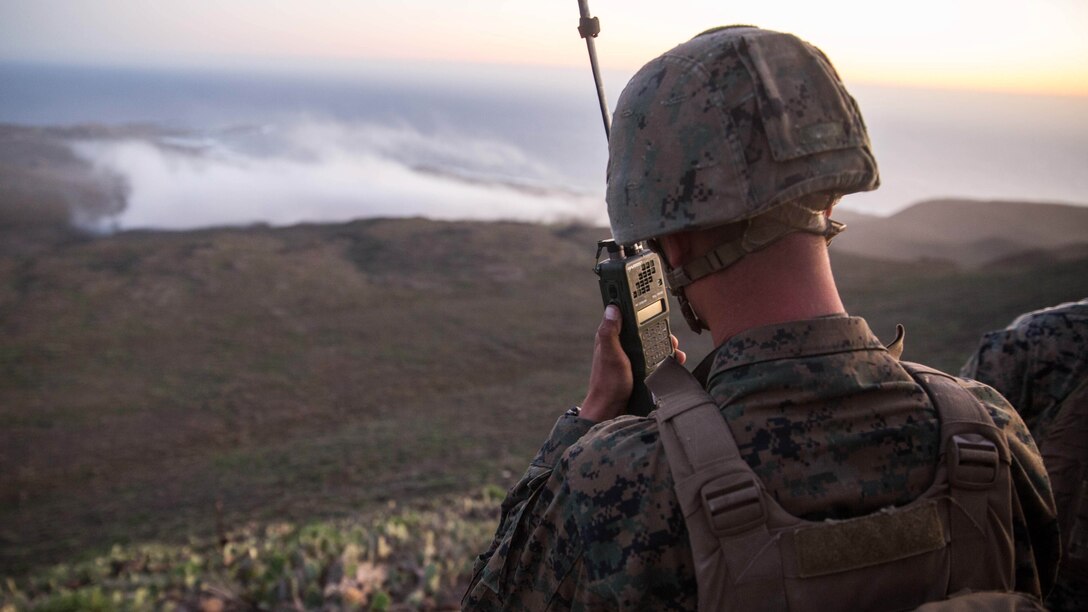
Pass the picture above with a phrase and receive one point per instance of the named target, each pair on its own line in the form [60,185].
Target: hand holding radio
[611,379]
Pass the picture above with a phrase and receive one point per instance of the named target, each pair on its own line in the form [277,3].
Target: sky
[450,104]
[1039,46]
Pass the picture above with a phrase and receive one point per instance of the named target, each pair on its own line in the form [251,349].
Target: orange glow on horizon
[969,44]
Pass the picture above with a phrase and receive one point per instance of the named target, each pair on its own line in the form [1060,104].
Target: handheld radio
[631,277]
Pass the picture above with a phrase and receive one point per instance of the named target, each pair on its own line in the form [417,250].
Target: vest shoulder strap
[722,499]
[975,455]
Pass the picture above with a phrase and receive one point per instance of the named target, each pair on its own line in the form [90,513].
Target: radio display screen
[649,312]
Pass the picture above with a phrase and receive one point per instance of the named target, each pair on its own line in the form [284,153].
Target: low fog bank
[104,179]
[61,183]
[476,143]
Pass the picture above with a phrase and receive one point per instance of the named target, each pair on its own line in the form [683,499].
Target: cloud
[325,171]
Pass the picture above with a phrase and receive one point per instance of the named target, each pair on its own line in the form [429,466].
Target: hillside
[970,233]
[172,387]
[146,377]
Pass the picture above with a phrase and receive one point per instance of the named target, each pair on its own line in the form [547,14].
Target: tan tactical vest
[750,554]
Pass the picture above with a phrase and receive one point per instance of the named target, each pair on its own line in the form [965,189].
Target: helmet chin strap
[761,231]
[696,324]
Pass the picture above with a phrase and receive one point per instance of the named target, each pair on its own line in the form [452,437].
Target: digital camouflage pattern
[726,126]
[1036,363]
[835,428]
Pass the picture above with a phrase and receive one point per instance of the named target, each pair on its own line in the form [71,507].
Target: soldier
[1040,363]
[728,153]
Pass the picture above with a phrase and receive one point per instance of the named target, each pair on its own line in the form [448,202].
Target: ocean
[477,142]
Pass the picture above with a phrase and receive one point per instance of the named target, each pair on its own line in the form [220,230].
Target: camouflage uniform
[834,430]
[1036,363]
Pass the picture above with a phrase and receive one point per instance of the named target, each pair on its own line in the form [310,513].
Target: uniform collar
[793,339]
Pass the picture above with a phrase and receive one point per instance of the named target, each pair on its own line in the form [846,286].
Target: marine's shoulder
[1055,329]
[1005,417]
[1044,328]
[619,498]
[618,474]
[1061,316]
[615,448]
[1001,412]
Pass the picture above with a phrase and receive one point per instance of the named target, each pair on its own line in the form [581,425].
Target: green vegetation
[418,558]
[300,392]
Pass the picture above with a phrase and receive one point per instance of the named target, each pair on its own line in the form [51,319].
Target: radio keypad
[656,342]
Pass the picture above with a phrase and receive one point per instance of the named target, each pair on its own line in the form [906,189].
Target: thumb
[611,323]
[608,334]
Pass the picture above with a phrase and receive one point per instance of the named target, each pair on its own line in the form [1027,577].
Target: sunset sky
[1039,46]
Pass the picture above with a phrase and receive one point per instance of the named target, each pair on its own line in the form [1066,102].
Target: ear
[676,249]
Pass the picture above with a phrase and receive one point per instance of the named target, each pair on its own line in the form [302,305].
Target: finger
[610,323]
[612,313]
[680,356]
[608,346]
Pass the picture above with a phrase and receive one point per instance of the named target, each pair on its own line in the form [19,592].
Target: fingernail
[611,312]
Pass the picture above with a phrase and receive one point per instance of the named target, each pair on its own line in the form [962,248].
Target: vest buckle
[733,504]
[973,462]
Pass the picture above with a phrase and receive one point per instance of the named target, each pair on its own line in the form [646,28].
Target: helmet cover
[727,126]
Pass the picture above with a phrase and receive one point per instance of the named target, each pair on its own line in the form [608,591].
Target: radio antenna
[589,28]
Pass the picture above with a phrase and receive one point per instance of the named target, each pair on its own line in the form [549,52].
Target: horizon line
[344,66]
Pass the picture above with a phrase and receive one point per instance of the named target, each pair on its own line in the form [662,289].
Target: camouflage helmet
[727,126]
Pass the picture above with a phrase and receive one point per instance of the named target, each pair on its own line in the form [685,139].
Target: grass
[419,558]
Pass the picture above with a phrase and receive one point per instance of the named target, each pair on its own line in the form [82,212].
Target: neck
[787,281]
